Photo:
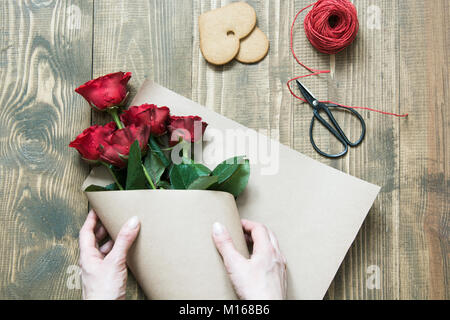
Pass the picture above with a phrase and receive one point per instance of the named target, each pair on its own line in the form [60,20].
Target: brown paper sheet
[315,210]
[174,256]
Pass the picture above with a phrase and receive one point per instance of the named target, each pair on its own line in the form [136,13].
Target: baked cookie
[222,29]
[254,47]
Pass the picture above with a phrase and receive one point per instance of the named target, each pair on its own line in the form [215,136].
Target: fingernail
[133,222]
[217,228]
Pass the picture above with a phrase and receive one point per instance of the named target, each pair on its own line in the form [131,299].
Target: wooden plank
[424,152]
[45,53]
[366,74]
[252,94]
[302,112]
[152,39]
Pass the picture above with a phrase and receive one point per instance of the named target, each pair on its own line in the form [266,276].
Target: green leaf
[154,166]
[201,169]
[135,174]
[182,175]
[111,187]
[94,188]
[154,146]
[120,173]
[164,185]
[202,183]
[227,168]
[233,175]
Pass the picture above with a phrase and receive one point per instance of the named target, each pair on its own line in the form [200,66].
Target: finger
[225,246]
[87,237]
[101,233]
[106,247]
[276,245]
[125,240]
[274,240]
[259,234]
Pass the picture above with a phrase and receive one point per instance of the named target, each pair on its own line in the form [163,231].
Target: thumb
[125,240]
[225,246]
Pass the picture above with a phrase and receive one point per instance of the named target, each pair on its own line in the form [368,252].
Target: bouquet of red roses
[138,147]
[146,152]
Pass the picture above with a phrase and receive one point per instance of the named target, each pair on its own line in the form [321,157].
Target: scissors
[335,129]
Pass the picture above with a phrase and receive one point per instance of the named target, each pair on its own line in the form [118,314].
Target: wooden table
[400,65]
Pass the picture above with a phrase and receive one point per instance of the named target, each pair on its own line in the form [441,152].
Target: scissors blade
[306,93]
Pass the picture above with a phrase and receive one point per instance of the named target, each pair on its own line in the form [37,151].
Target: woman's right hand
[263,276]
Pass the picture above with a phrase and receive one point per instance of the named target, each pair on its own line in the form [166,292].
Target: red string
[330,26]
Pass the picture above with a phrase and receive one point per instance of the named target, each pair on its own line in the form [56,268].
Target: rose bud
[147,114]
[87,143]
[107,91]
[189,128]
[117,145]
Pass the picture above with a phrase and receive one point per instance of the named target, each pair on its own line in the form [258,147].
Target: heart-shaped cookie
[222,29]
[254,47]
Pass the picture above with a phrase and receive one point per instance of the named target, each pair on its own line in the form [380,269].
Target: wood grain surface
[48,48]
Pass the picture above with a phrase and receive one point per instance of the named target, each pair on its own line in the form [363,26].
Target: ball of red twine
[331,25]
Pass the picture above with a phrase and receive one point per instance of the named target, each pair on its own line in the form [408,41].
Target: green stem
[185,150]
[149,179]
[113,175]
[113,112]
[168,149]
[161,143]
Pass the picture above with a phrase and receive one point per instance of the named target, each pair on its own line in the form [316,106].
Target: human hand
[263,276]
[104,268]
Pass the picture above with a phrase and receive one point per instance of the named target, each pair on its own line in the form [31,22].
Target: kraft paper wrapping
[174,256]
[314,210]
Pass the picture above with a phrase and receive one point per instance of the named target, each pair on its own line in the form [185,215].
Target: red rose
[87,143]
[147,114]
[117,145]
[190,128]
[107,91]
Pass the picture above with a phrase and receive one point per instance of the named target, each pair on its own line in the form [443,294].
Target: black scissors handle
[336,130]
